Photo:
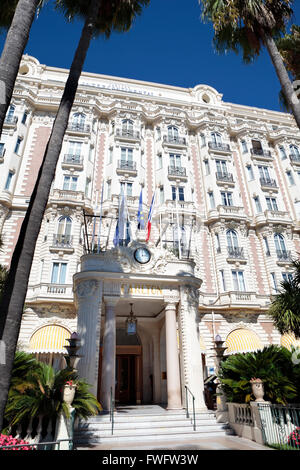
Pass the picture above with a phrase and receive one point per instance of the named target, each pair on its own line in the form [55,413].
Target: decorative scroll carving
[86,288]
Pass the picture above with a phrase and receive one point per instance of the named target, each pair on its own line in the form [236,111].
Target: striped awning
[289,340]
[51,338]
[242,340]
[202,344]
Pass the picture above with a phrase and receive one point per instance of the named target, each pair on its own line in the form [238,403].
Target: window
[110,155]
[87,190]
[272,203]
[175,161]
[10,113]
[274,281]
[207,168]
[127,127]
[70,183]
[216,138]
[8,180]
[238,281]
[173,134]
[91,154]
[287,277]
[18,144]
[232,239]
[203,140]
[2,149]
[257,204]
[161,195]
[221,167]
[218,246]
[250,172]
[59,271]
[126,154]
[279,243]
[78,121]
[264,173]
[180,196]
[159,162]
[267,248]
[290,177]
[24,118]
[257,147]
[211,200]
[64,226]
[126,188]
[282,153]
[226,198]
[75,148]
[108,189]
[223,284]
[244,146]
[295,151]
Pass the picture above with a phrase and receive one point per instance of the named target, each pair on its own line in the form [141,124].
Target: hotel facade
[225,227]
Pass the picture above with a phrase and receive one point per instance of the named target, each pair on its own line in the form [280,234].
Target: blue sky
[168,44]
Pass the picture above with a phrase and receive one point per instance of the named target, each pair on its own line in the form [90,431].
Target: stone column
[173,372]
[108,375]
[156,367]
[88,298]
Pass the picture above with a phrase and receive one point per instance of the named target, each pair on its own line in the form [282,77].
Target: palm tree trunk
[283,76]
[16,40]
[16,287]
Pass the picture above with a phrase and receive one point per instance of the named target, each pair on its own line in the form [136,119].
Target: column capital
[111,301]
[170,303]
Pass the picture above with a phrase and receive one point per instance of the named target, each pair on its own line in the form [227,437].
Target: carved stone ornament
[192,295]
[86,288]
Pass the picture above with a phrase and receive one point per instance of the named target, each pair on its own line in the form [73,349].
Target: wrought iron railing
[225,177]
[85,128]
[126,165]
[261,152]
[268,182]
[62,241]
[280,425]
[176,171]
[295,158]
[235,252]
[11,120]
[283,255]
[129,134]
[219,146]
[72,159]
[187,393]
[174,140]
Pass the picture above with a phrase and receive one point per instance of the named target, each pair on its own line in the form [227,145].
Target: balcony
[79,128]
[261,154]
[241,299]
[51,293]
[174,141]
[62,243]
[127,166]
[268,183]
[273,217]
[11,121]
[130,135]
[295,159]
[284,257]
[64,196]
[227,213]
[72,161]
[177,172]
[236,254]
[224,178]
[219,147]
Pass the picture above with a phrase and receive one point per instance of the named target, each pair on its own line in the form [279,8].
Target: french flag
[150,217]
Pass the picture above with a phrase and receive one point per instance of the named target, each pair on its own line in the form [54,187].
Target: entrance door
[125,379]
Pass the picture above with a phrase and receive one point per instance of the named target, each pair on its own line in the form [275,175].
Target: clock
[142,255]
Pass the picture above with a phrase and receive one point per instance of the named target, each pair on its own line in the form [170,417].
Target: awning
[289,340]
[51,338]
[202,344]
[242,340]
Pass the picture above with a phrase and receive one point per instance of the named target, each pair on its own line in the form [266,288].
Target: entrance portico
[164,294]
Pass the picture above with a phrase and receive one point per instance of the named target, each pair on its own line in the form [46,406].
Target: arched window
[232,239]
[127,127]
[295,151]
[216,138]
[173,134]
[282,153]
[64,229]
[279,244]
[78,121]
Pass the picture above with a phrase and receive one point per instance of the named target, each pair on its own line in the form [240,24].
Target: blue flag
[140,217]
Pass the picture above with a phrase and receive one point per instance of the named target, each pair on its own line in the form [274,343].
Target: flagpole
[178,227]
[94,224]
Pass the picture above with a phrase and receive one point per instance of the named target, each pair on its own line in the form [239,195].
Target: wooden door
[123,379]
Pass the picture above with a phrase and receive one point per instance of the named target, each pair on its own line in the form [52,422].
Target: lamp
[131,322]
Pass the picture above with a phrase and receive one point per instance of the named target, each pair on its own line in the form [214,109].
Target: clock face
[142,255]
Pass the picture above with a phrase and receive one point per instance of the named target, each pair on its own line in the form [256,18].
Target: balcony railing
[235,252]
[174,140]
[72,159]
[126,165]
[261,153]
[177,171]
[284,255]
[11,120]
[62,241]
[82,128]
[224,177]
[268,182]
[219,146]
[128,134]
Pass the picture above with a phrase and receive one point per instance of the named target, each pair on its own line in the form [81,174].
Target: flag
[150,217]
[122,233]
[140,216]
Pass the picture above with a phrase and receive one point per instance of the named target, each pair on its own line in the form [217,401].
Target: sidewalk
[216,443]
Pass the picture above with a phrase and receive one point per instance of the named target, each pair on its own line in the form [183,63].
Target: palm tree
[248,25]
[285,308]
[101,16]
[289,47]
[20,14]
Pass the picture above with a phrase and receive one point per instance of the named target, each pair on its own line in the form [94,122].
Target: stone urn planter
[68,392]
[257,389]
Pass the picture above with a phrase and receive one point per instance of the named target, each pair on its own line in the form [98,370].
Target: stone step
[129,418]
[134,425]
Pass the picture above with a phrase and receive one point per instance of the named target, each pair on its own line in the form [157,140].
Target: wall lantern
[131,322]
